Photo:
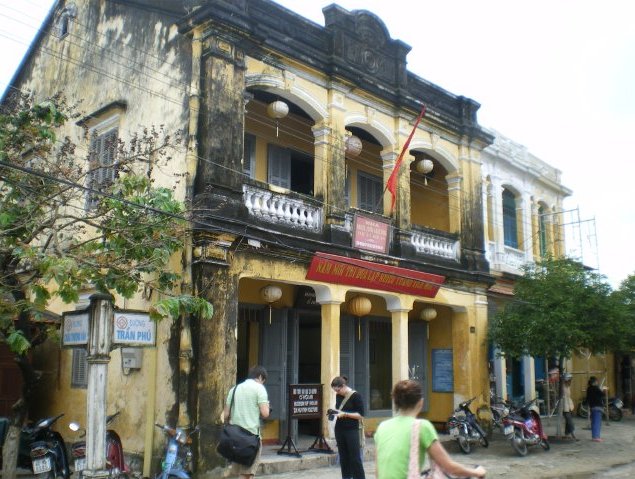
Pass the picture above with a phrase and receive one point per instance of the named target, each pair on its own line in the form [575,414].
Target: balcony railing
[514,257]
[510,259]
[282,209]
[436,245]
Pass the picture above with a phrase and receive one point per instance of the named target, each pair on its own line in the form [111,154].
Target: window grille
[79,369]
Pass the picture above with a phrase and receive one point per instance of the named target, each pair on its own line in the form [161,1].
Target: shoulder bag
[362,434]
[434,472]
[237,444]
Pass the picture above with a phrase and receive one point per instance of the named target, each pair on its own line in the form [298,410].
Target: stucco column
[215,367]
[323,170]
[330,350]
[500,371]
[462,356]
[529,376]
[535,228]
[332,149]
[388,159]
[525,215]
[454,201]
[399,319]
[497,221]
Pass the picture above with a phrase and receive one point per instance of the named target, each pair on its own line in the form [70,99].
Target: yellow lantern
[270,294]
[359,306]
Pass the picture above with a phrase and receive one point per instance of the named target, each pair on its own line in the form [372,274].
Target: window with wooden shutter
[102,165]
[79,369]
[369,192]
[249,155]
[510,228]
[279,166]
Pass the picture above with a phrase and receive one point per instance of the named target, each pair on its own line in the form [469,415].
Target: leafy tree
[558,307]
[53,245]
[625,296]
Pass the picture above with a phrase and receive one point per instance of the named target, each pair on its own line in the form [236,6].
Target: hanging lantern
[277,109]
[424,167]
[428,314]
[353,146]
[270,294]
[359,306]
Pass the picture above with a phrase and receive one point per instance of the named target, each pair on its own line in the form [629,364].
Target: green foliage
[558,306]
[52,246]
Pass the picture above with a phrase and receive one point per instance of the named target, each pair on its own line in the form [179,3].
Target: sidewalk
[615,457]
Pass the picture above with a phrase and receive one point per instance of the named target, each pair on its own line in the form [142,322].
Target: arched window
[510,226]
[542,231]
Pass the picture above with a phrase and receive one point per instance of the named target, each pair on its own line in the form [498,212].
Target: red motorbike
[114,451]
[523,428]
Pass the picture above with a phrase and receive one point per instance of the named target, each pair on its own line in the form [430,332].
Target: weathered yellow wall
[441,404]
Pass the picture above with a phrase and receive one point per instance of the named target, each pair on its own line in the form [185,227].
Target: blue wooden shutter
[361,375]
[369,191]
[273,356]
[347,347]
[279,166]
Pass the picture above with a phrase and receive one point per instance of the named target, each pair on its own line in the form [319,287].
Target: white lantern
[271,294]
[277,109]
[353,146]
[428,314]
[424,166]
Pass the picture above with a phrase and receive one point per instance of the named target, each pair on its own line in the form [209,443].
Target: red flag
[391,185]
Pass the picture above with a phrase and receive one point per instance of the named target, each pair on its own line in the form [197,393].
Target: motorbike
[47,450]
[464,427]
[523,428]
[615,409]
[500,409]
[177,461]
[114,451]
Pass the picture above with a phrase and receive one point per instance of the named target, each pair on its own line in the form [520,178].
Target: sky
[557,76]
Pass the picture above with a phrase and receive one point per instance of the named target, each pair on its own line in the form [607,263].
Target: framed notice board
[442,371]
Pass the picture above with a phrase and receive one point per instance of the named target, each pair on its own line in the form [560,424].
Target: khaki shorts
[238,469]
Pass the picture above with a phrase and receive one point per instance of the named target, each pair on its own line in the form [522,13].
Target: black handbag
[237,444]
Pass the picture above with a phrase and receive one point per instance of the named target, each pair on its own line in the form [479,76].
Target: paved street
[614,458]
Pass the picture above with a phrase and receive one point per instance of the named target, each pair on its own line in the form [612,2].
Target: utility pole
[99,345]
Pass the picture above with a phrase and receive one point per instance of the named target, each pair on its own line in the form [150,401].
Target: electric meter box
[131,358]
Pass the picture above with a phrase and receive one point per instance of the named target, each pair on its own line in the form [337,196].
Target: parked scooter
[177,461]
[464,427]
[615,409]
[47,450]
[523,428]
[114,451]
[500,409]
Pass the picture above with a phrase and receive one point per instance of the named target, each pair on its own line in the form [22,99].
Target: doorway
[308,362]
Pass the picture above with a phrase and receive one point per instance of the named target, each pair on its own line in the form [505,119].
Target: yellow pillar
[330,349]
[462,356]
[399,344]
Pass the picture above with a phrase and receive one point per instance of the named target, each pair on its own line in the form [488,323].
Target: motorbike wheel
[545,444]
[464,443]
[519,444]
[615,414]
[483,441]
[582,411]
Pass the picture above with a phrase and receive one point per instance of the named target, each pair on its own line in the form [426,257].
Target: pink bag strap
[413,463]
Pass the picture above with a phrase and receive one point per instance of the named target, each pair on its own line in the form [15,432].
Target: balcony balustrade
[282,209]
[436,245]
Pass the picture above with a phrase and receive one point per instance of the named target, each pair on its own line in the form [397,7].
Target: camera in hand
[332,413]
